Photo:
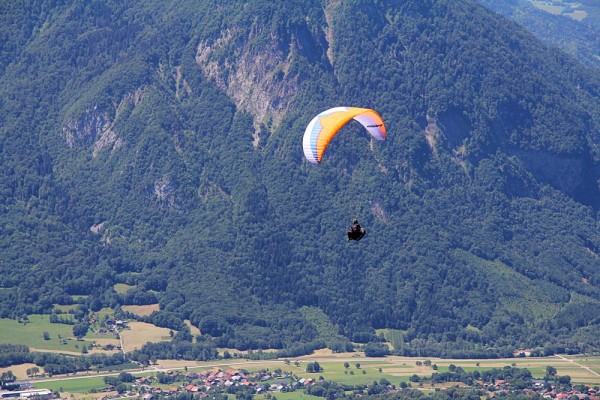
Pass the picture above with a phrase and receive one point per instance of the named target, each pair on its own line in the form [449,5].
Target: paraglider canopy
[326,125]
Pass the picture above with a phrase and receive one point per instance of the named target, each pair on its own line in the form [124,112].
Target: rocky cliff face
[253,78]
[96,125]
[253,66]
[86,128]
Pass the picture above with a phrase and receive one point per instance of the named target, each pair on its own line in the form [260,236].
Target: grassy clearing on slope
[394,337]
[65,308]
[142,311]
[123,288]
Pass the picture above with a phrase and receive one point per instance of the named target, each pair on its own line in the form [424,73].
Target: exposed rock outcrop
[96,126]
[432,132]
[164,191]
[86,128]
[257,77]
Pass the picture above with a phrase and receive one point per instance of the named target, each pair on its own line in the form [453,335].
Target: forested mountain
[572,26]
[159,144]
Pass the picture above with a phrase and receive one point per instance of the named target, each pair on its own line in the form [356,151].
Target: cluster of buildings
[218,380]
[503,388]
[110,327]
[38,394]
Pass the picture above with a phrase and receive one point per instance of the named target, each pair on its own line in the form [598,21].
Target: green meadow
[31,333]
[123,288]
[75,385]
[65,308]
[335,371]
[297,395]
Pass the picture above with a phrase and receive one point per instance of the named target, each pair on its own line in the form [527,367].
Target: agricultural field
[73,385]
[366,372]
[148,309]
[100,344]
[61,339]
[574,366]
[199,365]
[572,9]
[394,369]
[139,333]
[31,333]
[581,369]
[297,395]
[142,311]
[105,312]
[338,367]
[20,371]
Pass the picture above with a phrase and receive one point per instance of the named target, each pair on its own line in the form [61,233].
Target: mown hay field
[20,371]
[142,311]
[139,333]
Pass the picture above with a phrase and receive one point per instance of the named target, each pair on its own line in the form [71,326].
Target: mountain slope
[573,27]
[159,145]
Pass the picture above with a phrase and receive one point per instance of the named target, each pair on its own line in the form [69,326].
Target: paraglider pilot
[356,232]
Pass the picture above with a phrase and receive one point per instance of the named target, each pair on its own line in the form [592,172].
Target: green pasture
[297,395]
[31,334]
[65,308]
[122,288]
[588,361]
[105,311]
[335,371]
[76,385]
[93,336]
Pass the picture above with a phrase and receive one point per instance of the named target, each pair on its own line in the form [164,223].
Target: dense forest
[159,145]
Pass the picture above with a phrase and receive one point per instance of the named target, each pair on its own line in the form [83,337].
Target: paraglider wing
[326,125]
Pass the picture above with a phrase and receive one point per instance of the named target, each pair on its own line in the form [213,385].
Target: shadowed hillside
[574,27]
